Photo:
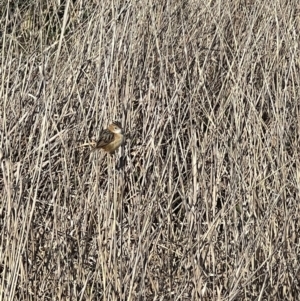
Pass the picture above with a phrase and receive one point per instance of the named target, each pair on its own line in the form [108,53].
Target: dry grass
[202,203]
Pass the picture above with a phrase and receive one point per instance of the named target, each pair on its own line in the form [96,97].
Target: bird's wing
[105,138]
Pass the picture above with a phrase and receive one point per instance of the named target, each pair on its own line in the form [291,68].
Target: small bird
[111,138]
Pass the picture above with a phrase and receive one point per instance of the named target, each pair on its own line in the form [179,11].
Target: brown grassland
[201,202]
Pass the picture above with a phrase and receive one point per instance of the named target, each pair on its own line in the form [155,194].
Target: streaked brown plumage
[111,138]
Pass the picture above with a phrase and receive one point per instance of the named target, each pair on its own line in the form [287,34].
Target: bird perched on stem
[111,138]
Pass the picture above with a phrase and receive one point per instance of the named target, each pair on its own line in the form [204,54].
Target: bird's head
[115,127]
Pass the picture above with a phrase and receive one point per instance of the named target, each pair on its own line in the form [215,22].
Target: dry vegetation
[202,203]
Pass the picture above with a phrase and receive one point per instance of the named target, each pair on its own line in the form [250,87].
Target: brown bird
[111,138]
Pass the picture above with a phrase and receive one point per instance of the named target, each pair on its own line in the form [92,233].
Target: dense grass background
[202,203]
